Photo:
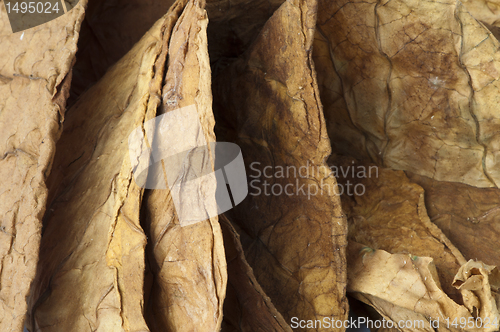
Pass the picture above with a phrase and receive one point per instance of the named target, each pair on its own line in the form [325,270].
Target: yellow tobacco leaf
[35,73]
[267,102]
[92,252]
[419,83]
[188,260]
[246,307]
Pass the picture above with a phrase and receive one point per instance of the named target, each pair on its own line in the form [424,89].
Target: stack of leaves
[369,132]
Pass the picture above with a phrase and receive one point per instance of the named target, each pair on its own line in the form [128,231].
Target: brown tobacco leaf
[246,307]
[420,90]
[35,72]
[188,261]
[398,260]
[234,24]
[468,216]
[486,11]
[267,103]
[405,290]
[495,30]
[91,267]
[386,211]
[110,29]
[479,284]
[348,140]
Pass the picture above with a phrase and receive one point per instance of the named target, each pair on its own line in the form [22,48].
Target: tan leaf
[406,292]
[420,89]
[386,211]
[486,11]
[403,288]
[188,261]
[110,29]
[91,267]
[476,281]
[267,103]
[400,262]
[234,24]
[35,73]
[246,307]
[467,215]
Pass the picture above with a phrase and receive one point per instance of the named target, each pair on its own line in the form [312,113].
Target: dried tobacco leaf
[405,290]
[348,140]
[386,211]
[234,24]
[486,11]
[399,261]
[267,103]
[188,261]
[92,252]
[479,285]
[246,307]
[110,29]
[420,90]
[467,215]
[35,72]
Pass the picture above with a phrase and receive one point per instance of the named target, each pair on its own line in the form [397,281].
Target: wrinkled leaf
[110,29]
[188,261]
[267,103]
[234,25]
[386,211]
[35,73]
[91,267]
[405,291]
[246,307]
[479,285]
[401,263]
[486,11]
[419,83]
[467,215]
